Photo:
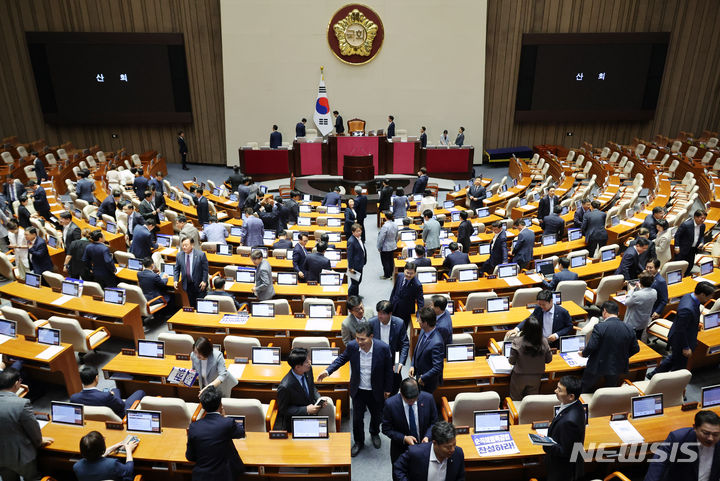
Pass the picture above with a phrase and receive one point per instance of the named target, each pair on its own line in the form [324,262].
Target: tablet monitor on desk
[305,209]
[460,352]
[205,306]
[522,202]
[646,406]
[574,234]
[217,191]
[260,309]
[48,335]
[172,196]
[449,204]
[111,227]
[70,288]
[545,267]
[444,234]
[235,230]
[608,255]
[143,421]
[266,355]
[320,311]
[498,304]
[185,201]
[614,220]
[445,251]
[323,356]
[287,279]
[334,222]
[549,240]
[8,328]
[333,209]
[239,420]
[507,270]
[92,220]
[710,396]
[304,221]
[233,198]
[417,197]
[492,421]
[310,427]
[307,198]
[706,267]
[164,241]
[427,277]
[484,249]
[482,212]
[32,280]
[572,344]
[245,274]
[408,235]
[151,349]
[450,307]
[674,277]
[333,236]
[268,235]
[710,321]
[114,295]
[66,413]
[224,250]
[333,255]
[168,269]
[466,275]
[134,264]
[578,261]
[264,251]
[52,241]
[330,279]
[455,216]
[295,236]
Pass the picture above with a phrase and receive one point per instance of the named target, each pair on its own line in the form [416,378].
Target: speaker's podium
[358,168]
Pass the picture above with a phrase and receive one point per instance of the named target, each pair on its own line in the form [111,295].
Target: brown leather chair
[356,125]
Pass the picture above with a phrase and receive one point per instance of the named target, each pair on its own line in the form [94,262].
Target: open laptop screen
[266,355]
[572,344]
[498,304]
[710,396]
[48,335]
[674,277]
[8,328]
[205,306]
[320,311]
[460,352]
[323,356]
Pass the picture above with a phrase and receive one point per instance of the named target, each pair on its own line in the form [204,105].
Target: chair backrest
[608,285]
[239,346]
[316,300]
[282,306]
[100,413]
[7,158]
[176,343]
[70,332]
[478,300]
[252,409]
[6,268]
[610,400]
[122,257]
[672,386]
[673,266]
[455,273]
[525,296]
[572,291]
[174,411]
[25,324]
[225,303]
[691,151]
[310,341]
[30,172]
[676,146]
[468,402]
[135,296]
[536,407]
[463,338]
[91,288]
[54,279]
[328,410]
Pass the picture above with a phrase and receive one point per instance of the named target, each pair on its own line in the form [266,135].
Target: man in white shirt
[441,460]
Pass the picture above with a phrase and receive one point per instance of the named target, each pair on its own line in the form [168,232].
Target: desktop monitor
[333,255]
[260,309]
[482,212]
[549,240]
[484,249]
[507,270]
[245,274]
[268,234]
[205,306]
[333,209]
[168,269]
[460,352]
[8,328]
[427,277]
[455,216]
[310,427]
[320,311]
[234,231]
[578,261]
[706,267]
[70,288]
[710,396]
[646,406]
[323,356]
[151,349]
[334,237]
[710,321]
[147,422]
[408,235]
[224,250]
[574,234]
[674,277]
[330,279]
[448,204]
[557,298]
[305,209]
[111,227]
[287,279]
[66,413]
[491,421]
[572,344]
[266,355]
[114,295]
[48,335]
[466,275]
[32,280]
[607,255]
[498,304]
[334,222]
[164,240]
[304,221]
[135,264]
[52,241]
[444,234]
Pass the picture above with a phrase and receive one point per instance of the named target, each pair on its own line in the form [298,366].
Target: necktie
[405,282]
[13,192]
[130,225]
[411,421]
[305,386]
[187,267]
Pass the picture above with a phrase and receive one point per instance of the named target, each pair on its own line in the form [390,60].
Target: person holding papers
[565,274]
[391,330]
[371,377]
[210,366]
[356,259]
[407,293]
[92,396]
[441,460]
[529,353]
[555,319]
[191,269]
[263,287]
[566,429]
[639,304]
[356,315]
[498,249]
[703,438]
[296,394]
[522,252]
[429,352]
[611,345]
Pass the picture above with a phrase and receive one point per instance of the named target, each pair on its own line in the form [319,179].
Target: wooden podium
[358,168]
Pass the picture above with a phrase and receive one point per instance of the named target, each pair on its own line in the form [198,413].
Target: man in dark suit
[361,202]
[356,258]
[157,182]
[421,182]
[391,127]
[13,191]
[203,209]
[92,396]
[593,228]
[133,218]
[547,204]
[476,194]
[284,240]
[460,139]
[567,429]
[649,253]
[192,266]
[580,213]
[555,319]
[315,262]
[332,198]
[522,252]
[143,244]
[209,441]
[182,146]
[565,274]
[465,232]
[429,352]
[40,202]
[408,418]
[296,394]
[140,184]
[423,137]
[689,237]
[416,463]
[153,285]
[420,260]
[611,345]
[443,320]
[299,254]
[498,249]
[385,196]
[407,293]
[147,209]
[682,338]
[109,204]
[660,286]
[391,330]
[630,266]
[455,257]
[100,260]
[300,128]
[85,187]
[650,222]
[701,441]
[234,180]
[39,168]
[70,230]
[339,127]
[38,252]
[371,378]
[275,138]
[553,224]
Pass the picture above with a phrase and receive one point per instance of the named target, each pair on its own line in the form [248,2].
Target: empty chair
[316,300]
[478,300]
[100,413]
[673,266]
[460,411]
[463,338]
[53,279]
[282,306]
[122,257]
[30,172]
[176,343]
[7,158]
[670,384]
[309,342]
[175,413]
[455,273]
[257,415]
[209,247]
[27,324]
[533,408]
[573,291]
[609,400]
[691,151]
[525,296]
[82,340]
[239,346]
[608,285]
[225,303]
[6,268]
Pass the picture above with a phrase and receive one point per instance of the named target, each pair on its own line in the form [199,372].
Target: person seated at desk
[215,232]
[91,395]
[703,436]
[263,287]
[564,274]
[555,319]
[455,257]
[332,198]
[285,240]
[100,260]
[109,204]
[299,255]
[443,322]
[316,262]
[529,353]
[441,459]
[210,441]
[400,204]
[406,223]
[40,260]
[567,429]
[498,249]
[210,365]
[142,244]
[356,315]
[391,330]
[429,352]
[218,289]
[421,182]
[275,138]
[297,394]
[630,266]
[420,260]
[154,285]
[95,463]
[553,224]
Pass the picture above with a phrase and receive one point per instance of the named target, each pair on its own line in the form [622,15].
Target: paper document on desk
[318,324]
[494,444]
[119,269]
[331,288]
[4,338]
[626,223]
[409,244]
[499,364]
[239,318]
[702,279]
[41,423]
[626,432]
[49,352]
[574,359]
[535,277]
[513,281]
[474,238]
[236,370]
[61,300]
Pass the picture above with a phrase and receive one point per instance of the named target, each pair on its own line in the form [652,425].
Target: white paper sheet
[331,288]
[61,300]
[237,370]
[42,424]
[49,352]
[702,279]
[626,223]
[318,324]
[574,359]
[4,338]
[499,365]
[513,281]
[119,269]
[535,277]
[626,432]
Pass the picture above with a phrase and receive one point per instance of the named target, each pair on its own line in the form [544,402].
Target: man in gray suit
[639,303]
[252,229]
[430,232]
[187,230]
[263,289]
[386,244]
[21,432]
[593,228]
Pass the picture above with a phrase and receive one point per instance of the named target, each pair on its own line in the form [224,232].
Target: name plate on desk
[492,277]
[477,311]
[31,338]
[278,434]
[619,416]
[312,283]
[112,425]
[188,309]
[689,406]
[462,429]
[450,279]
[241,360]
[299,316]
[541,425]
[182,357]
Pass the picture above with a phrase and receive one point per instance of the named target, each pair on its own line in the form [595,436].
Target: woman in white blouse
[17,242]
[662,241]
[210,365]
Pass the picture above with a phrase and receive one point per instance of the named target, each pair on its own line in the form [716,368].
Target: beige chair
[91,288]
[463,338]
[316,300]
[609,400]
[525,296]
[613,247]
[82,340]
[100,413]
[229,272]
[427,298]
[135,295]
[478,300]
[209,247]
[27,323]
[175,413]
[660,329]
[279,253]
[455,273]
[53,279]
[225,303]
[257,415]
[176,343]
[122,257]
[239,346]
[30,172]
[460,411]
[333,412]
[6,268]
[608,285]
[533,408]
[673,266]
[572,291]
[308,342]
[670,384]
[282,306]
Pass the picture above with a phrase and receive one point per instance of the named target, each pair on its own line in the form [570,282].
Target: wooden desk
[60,368]
[162,456]
[190,211]
[122,321]
[460,289]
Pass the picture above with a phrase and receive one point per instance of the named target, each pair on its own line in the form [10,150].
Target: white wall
[430,70]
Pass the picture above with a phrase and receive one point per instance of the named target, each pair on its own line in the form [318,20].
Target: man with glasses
[297,394]
[356,314]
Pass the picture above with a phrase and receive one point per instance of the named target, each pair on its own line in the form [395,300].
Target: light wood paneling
[690,92]
[198,20]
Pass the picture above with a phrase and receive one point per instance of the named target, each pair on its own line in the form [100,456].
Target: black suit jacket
[107,207]
[40,257]
[544,206]
[454,259]
[339,127]
[566,429]
[140,185]
[395,424]
[381,370]
[413,464]
[423,140]
[199,269]
[210,446]
[293,400]
[404,299]
[420,185]
[203,210]
[630,264]
[385,197]
[356,254]
[684,330]
[151,284]
[611,345]
[398,336]
[361,208]
[72,234]
[391,130]
[593,226]
[300,129]
[314,264]
[275,139]
[182,145]
[684,238]
[554,224]
[299,255]
[675,471]
[562,323]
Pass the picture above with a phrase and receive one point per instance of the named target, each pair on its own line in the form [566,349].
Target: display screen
[590,76]
[99,78]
